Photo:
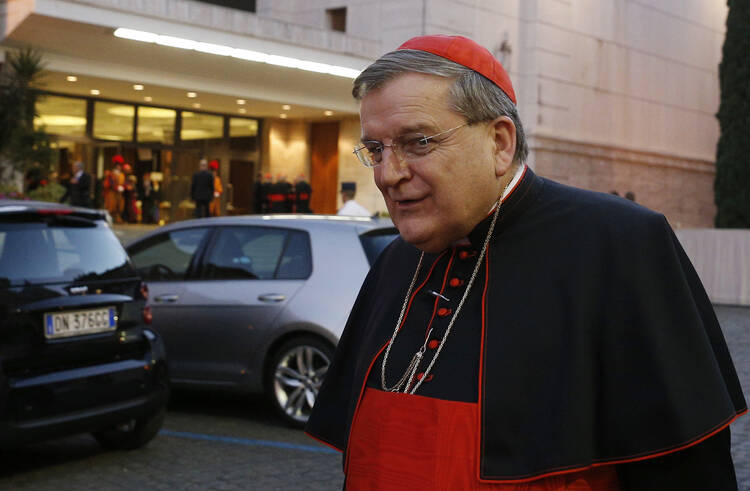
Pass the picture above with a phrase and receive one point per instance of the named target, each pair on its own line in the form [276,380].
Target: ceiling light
[283,116]
[241,102]
[213,49]
[243,54]
[192,95]
[242,110]
[148,98]
[328,113]
[137,87]
[174,42]
[147,37]
[71,78]
[286,107]
[95,92]
[196,105]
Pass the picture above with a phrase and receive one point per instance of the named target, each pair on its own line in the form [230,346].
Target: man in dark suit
[79,190]
[202,189]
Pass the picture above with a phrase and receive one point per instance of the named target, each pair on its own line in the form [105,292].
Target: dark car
[76,354]
[257,303]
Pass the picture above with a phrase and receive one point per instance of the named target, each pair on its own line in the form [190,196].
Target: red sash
[401,441]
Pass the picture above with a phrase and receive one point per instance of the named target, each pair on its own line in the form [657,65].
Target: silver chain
[408,376]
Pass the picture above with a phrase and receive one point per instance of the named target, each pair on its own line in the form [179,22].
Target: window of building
[64,116]
[198,126]
[239,127]
[156,125]
[246,5]
[113,121]
[243,134]
[336,19]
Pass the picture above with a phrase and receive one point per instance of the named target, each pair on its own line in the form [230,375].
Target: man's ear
[504,132]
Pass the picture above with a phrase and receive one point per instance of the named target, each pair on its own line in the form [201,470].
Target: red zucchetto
[465,52]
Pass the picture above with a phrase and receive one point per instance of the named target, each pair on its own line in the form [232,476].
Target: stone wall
[286,150]
[680,188]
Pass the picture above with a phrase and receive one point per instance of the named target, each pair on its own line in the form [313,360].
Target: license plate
[79,322]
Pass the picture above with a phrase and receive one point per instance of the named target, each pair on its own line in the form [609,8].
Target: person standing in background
[79,188]
[351,207]
[149,201]
[215,206]
[202,189]
[278,195]
[302,193]
[129,195]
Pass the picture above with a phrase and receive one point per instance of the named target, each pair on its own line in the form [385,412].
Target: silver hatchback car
[257,303]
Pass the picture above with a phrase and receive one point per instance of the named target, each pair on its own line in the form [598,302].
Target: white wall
[638,74]
[722,261]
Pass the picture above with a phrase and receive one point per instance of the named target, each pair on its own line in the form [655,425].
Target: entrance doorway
[324,167]
[242,180]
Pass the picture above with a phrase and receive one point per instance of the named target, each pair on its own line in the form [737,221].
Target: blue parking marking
[246,441]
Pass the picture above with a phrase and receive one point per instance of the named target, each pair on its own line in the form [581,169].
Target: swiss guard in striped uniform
[519,334]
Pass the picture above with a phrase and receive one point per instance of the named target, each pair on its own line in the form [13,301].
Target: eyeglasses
[408,147]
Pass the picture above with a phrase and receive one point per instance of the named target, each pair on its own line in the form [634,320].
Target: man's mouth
[408,202]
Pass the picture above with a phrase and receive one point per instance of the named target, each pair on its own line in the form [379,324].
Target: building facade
[615,95]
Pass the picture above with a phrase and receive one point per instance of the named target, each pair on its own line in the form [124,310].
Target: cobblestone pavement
[220,442]
[209,442]
[735,322]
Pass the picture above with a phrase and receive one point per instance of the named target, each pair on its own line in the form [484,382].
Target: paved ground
[215,442]
[735,321]
[209,442]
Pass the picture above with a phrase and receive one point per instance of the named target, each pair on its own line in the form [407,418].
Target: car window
[46,251]
[167,256]
[259,253]
[375,241]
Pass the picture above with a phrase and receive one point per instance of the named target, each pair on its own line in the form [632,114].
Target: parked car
[76,353]
[257,303]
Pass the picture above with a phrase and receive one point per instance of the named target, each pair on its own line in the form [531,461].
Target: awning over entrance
[78,39]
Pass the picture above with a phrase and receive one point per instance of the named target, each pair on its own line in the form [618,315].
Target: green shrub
[732,184]
[50,192]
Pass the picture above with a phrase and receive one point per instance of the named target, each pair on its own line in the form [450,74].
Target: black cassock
[595,344]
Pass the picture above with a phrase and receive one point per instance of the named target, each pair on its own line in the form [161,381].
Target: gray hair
[472,95]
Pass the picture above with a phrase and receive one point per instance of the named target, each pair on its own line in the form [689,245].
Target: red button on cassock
[443,312]
[433,344]
[455,282]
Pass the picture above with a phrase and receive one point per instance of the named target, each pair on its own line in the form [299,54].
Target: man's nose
[394,168]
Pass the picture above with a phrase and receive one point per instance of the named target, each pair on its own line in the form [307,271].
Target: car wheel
[295,376]
[131,434]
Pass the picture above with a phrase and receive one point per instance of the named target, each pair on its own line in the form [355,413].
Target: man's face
[438,198]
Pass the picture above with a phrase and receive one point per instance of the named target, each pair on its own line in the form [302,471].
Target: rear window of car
[259,253]
[60,250]
[375,241]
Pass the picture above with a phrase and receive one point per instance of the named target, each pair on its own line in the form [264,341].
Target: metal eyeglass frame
[395,147]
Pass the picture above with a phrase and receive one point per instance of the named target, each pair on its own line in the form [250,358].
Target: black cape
[600,344]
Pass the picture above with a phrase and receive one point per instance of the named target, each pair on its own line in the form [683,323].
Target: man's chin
[429,243]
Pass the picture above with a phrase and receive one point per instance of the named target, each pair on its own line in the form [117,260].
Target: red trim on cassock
[625,460]
[377,355]
[480,382]
[320,440]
